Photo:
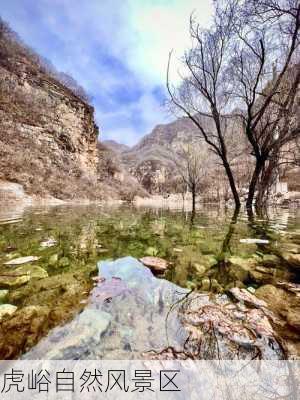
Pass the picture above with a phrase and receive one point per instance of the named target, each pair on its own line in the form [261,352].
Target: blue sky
[116,49]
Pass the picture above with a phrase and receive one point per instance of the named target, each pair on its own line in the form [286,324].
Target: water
[205,255]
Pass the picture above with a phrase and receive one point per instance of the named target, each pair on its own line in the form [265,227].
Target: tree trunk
[268,178]
[232,184]
[253,183]
[193,201]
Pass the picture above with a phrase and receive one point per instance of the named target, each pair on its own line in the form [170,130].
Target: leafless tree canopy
[244,68]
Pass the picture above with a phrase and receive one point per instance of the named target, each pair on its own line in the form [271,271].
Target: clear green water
[199,251]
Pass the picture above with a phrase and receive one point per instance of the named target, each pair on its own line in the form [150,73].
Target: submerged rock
[21,275]
[3,295]
[33,271]
[293,318]
[240,267]
[6,310]
[151,251]
[270,260]
[49,243]
[22,260]
[247,297]
[155,263]
[292,259]
[133,314]
[22,330]
[254,241]
[12,281]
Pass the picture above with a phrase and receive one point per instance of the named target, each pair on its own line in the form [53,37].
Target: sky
[116,49]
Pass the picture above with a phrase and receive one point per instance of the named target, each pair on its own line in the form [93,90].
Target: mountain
[151,160]
[115,146]
[48,136]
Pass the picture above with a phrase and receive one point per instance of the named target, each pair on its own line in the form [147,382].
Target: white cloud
[162,26]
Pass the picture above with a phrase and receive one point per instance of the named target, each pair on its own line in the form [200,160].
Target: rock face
[48,137]
[45,129]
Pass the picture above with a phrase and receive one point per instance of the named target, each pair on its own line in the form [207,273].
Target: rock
[176,250]
[208,260]
[6,310]
[23,330]
[205,284]
[215,286]
[22,275]
[63,262]
[276,298]
[291,287]
[251,289]
[254,241]
[260,323]
[292,259]
[270,260]
[293,318]
[33,271]
[151,251]
[48,243]
[240,267]
[265,270]
[238,284]
[22,260]
[199,269]
[11,281]
[155,263]
[3,295]
[248,298]
[53,260]
[261,278]
[191,285]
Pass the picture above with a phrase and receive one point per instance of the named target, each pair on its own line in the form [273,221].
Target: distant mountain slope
[151,160]
[115,146]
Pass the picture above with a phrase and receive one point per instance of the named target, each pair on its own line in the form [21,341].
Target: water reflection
[205,254]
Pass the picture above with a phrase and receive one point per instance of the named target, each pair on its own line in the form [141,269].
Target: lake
[72,251]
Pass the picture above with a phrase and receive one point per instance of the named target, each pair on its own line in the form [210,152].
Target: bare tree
[265,77]
[191,167]
[202,95]
[234,71]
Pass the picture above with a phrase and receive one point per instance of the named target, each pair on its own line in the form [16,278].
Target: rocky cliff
[48,137]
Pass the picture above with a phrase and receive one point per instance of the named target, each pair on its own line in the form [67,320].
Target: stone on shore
[22,260]
[156,264]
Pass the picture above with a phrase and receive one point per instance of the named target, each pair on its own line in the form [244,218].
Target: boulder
[3,295]
[199,269]
[151,251]
[254,241]
[12,281]
[270,260]
[292,259]
[34,271]
[22,260]
[6,310]
[248,298]
[293,318]
[48,243]
[240,268]
[275,298]
[205,284]
[156,264]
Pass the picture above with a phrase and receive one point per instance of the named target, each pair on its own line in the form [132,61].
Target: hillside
[48,136]
[153,160]
[115,146]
